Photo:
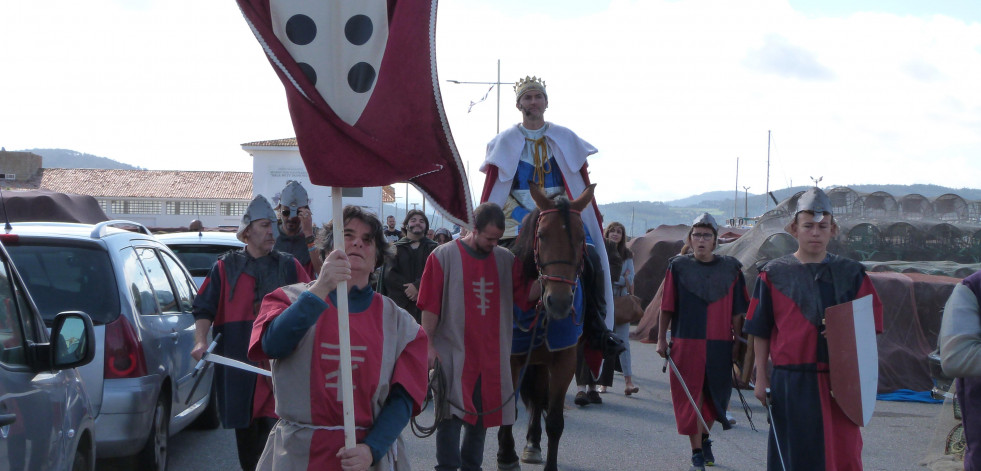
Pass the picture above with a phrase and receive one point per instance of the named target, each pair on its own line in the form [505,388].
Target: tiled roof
[148,183]
[287,142]
[388,194]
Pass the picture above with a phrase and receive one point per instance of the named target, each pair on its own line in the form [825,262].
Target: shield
[853,357]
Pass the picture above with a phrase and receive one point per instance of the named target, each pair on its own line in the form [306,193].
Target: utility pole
[498,84]
[735,199]
[746,201]
[631,220]
[766,200]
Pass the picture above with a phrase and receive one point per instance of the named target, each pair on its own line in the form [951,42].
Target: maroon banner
[362,87]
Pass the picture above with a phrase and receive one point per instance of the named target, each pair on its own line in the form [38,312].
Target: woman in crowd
[623,285]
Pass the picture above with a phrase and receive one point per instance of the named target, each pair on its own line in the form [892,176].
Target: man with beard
[229,299]
[392,234]
[296,231]
[467,310]
[404,272]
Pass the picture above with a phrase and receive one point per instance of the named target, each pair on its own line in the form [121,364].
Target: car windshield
[68,278]
[199,258]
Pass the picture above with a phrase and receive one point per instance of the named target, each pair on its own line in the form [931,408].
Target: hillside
[65,158]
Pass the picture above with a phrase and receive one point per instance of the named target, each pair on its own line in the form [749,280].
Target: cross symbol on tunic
[335,375]
[483,288]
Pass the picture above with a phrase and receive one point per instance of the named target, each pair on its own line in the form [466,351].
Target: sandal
[631,390]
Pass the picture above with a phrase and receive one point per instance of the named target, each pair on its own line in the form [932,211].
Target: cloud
[779,57]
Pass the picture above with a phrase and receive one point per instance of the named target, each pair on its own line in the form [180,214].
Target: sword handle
[202,362]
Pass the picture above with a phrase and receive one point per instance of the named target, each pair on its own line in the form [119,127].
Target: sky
[672,93]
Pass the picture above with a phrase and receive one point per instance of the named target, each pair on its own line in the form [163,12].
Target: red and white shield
[853,357]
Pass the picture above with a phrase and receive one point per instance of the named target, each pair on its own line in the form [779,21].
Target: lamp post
[498,84]
[746,202]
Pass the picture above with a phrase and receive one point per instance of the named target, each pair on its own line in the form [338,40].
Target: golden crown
[529,83]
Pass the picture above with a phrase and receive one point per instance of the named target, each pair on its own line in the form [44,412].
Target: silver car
[200,250]
[45,417]
[139,297]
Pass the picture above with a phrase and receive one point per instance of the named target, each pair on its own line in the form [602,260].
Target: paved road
[635,432]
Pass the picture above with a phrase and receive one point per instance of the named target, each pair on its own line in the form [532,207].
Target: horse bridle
[543,278]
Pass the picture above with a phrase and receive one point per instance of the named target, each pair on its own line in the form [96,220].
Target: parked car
[42,401]
[200,250]
[139,297]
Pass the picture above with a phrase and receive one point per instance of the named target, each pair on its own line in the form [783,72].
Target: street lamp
[498,84]
[746,201]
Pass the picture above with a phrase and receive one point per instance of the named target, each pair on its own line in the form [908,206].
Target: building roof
[148,183]
[286,142]
[388,194]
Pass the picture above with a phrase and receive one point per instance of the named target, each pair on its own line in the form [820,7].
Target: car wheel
[209,419]
[81,461]
[153,456]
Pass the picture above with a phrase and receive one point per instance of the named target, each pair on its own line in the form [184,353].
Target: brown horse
[551,248]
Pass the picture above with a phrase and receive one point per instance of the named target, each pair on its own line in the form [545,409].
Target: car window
[199,258]
[11,329]
[158,279]
[185,286]
[137,283]
[68,278]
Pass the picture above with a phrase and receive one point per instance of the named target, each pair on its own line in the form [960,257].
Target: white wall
[272,167]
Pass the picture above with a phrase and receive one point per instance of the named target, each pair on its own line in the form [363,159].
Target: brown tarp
[931,293]
[50,206]
[651,254]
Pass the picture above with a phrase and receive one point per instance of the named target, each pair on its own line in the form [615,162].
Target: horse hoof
[508,466]
[532,454]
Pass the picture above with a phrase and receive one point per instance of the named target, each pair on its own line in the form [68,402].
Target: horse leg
[560,376]
[535,381]
[507,457]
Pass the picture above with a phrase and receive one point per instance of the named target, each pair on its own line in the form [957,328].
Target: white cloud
[671,92]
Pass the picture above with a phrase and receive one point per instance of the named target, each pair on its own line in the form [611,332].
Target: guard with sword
[227,305]
[795,320]
[704,299]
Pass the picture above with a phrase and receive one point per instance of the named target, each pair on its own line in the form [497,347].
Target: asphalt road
[628,433]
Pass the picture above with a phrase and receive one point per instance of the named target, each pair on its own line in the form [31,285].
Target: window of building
[352,192]
[135,207]
[236,208]
[104,205]
[197,208]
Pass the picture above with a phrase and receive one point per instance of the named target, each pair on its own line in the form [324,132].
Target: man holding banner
[810,429]
[297,331]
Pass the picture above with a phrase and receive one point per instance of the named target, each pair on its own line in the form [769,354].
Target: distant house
[172,198]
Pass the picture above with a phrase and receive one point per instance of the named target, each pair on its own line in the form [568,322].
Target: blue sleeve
[209,297]
[393,417]
[286,330]
[629,265]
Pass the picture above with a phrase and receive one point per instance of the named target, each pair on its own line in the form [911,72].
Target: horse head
[560,243]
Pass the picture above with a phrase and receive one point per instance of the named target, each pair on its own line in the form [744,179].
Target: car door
[31,404]
[184,288]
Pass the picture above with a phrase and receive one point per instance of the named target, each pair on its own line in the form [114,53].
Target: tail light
[9,239]
[124,356]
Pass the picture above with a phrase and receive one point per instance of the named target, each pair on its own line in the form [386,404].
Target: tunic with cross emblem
[472,296]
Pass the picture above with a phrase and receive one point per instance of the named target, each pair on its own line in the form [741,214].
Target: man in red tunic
[229,299]
[786,317]
[704,299]
[297,331]
[466,301]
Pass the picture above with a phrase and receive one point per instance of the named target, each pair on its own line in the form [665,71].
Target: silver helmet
[258,209]
[293,197]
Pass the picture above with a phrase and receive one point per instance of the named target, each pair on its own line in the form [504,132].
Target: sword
[200,367]
[684,386]
[215,358]
[776,440]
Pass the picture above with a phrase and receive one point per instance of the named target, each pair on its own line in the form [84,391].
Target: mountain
[65,158]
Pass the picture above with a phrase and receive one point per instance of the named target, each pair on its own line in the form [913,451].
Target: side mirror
[72,340]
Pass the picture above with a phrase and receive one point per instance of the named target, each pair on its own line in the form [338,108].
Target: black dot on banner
[361,77]
[308,71]
[301,29]
[358,29]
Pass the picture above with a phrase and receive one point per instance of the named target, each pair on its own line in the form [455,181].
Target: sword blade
[773,428]
[698,413]
[215,358]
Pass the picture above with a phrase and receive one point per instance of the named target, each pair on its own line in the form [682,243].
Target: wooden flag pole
[343,325]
